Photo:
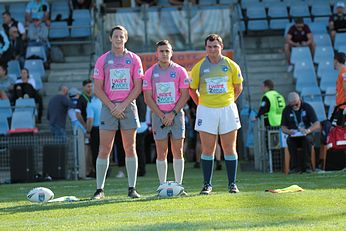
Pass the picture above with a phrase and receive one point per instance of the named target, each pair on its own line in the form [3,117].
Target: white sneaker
[290,68]
[120,174]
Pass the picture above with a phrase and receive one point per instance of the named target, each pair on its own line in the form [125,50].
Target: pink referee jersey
[165,84]
[118,73]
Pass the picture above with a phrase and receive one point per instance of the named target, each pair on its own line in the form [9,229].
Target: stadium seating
[163,3]
[322,40]
[25,104]
[323,54]
[320,10]
[80,28]
[328,79]
[227,1]
[257,12]
[319,109]
[300,10]
[330,110]
[342,49]
[60,8]
[278,11]
[325,66]
[35,66]
[37,51]
[317,28]
[340,40]
[323,20]
[17,10]
[311,94]
[13,68]
[329,99]
[38,80]
[3,125]
[58,30]
[246,3]
[81,14]
[22,119]
[207,2]
[303,67]
[5,108]
[301,54]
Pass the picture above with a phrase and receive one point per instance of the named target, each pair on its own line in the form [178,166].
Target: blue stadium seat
[3,125]
[300,54]
[278,11]
[246,3]
[322,39]
[5,108]
[80,28]
[17,10]
[257,11]
[320,10]
[22,119]
[308,81]
[330,110]
[319,3]
[328,79]
[37,51]
[81,14]
[329,99]
[325,66]
[319,109]
[340,40]
[323,54]
[58,30]
[304,73]
[342,49]
[2,7]
[318,28]
[322,20]
[207,2]
[311,94]
[163,3]
[35,66]
[38,80]
[300,9]
[271,3]
[290,3]
[13,68]
[25,104]
[60,8]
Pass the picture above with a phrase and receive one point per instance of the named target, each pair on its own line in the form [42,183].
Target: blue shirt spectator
[37,9]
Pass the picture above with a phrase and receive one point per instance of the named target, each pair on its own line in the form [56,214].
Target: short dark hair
[299,20]
[6,12]
[268,83]
[119,27]
[213,37]
[163,43]
[27,71]
[4,66]
[87,81]
[340,57]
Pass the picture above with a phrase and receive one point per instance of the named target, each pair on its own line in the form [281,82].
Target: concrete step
[68,75]
[70,66]
[264,56]
[266,63]
[264,42]
[51,88]
[267,69]
[76,59]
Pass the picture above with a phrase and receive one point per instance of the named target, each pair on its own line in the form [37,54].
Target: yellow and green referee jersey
[215,81]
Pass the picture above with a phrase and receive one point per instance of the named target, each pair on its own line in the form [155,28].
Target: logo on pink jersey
[96,71]
[173,75]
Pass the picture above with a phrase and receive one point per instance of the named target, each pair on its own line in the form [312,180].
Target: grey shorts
[131,120]
[177,130]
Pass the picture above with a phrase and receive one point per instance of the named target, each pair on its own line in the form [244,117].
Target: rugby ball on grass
[170,189]
[40,195]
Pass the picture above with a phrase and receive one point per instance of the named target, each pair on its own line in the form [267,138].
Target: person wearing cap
[299,121]
[339,64]
[298,35]
[337,22]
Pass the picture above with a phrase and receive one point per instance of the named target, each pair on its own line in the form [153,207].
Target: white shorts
[217,120]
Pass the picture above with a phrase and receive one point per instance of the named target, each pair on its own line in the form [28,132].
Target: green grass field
[321,207]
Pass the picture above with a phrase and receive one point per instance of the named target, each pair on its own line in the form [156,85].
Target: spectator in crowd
[6,83]
[24,88]
[118,79]
[37,9]
[272,105]
[38,35]
[80,4]
[216,85]
[142,132]
[165,87]
[17,46]
[337,22]
[339,64]
[5,54]
[149,2]
[57,110]
[81,113]
[299,121]
[93,123]
[299,35]
[9,22]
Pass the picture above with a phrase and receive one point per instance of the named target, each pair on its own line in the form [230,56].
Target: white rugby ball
[40,195]
[170,189]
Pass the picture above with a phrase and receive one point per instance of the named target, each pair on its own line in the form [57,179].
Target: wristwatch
[175,112]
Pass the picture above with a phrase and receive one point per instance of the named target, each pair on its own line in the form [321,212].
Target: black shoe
[218,165]
[99,194]
[233,188]
[133,193]
[206,190]
[197,165]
